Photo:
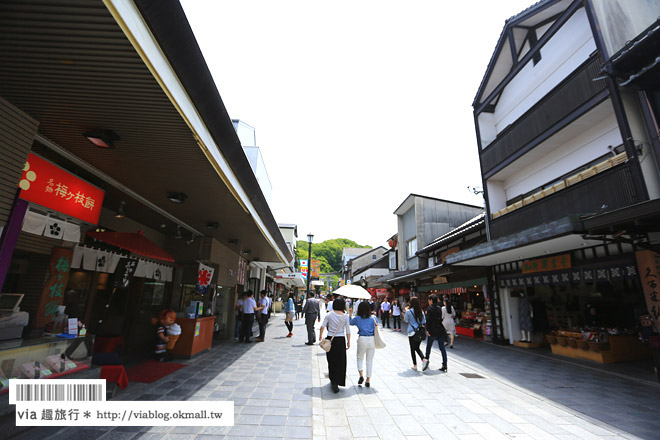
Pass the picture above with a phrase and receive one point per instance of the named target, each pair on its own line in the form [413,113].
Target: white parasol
[353,291]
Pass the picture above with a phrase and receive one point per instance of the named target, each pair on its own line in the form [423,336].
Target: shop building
[116,113]
[466,288]
[568,155]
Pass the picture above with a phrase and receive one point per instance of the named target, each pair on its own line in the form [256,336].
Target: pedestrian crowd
[436,323]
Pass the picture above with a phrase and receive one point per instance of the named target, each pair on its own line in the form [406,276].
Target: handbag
[420,333]
[326,344]
[377,339]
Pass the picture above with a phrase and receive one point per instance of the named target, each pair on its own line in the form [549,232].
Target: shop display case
[601,345]
[471,323]
[39,358]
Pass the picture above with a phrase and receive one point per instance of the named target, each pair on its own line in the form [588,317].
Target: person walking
[415,319]
[396,315]
[337,323]
[385,308]
[249,309]
[239,315]
[289,313]
[448,314]
[435,331]
[264,303]
[366,345]
[298,305]
[312,311]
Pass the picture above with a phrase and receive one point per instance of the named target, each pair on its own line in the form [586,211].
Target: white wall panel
[564,53]
[581,149]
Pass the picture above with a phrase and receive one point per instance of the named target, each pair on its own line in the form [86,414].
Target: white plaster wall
[560,56]
[496,195]
[640,136]
[512,318]
[579,150]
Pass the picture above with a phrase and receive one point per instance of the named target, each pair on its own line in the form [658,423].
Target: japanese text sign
[52,294]
[649,270]
[559,262]
[52,187]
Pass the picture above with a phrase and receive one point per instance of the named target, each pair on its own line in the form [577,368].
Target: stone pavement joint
[280,390]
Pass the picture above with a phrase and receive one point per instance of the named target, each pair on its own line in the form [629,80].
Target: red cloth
[115,373]
[107,345]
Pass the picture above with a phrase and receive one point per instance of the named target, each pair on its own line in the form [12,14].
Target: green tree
[328,252]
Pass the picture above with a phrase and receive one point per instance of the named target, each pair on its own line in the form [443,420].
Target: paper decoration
[89,259]
[76,261]
[54,228]
[34,223]
[204,276]
[71,232]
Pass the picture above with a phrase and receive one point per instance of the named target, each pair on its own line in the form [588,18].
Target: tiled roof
[459,231]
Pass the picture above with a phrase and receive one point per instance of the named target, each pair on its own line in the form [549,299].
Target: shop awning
[435,270]
[548,238]
[466,283]
[133,242]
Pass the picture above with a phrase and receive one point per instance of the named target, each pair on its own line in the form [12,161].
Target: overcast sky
[367,101]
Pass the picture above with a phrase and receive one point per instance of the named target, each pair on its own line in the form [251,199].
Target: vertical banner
[315,271]
[242,268]
[124,272]
[303,269]
[204,277]
[52,294]
[648,264]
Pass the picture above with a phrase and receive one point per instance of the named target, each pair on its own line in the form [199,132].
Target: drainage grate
[472,376]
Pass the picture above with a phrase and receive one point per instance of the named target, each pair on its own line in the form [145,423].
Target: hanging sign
[52,294]
[316,269]
[242,269]
[649,270]
[125,272]
[52,187]
[558,262]
[204,276]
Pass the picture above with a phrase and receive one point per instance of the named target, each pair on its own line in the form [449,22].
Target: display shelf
[15,354]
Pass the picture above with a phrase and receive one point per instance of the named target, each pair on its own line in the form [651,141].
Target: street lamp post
[310,238]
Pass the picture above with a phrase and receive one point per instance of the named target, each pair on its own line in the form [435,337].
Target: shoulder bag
[377,339]
[420,331]
[326,344]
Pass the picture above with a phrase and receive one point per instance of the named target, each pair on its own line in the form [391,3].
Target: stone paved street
[280,390]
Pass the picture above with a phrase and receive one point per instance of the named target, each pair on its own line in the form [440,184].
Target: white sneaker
[425,365]
[414,367]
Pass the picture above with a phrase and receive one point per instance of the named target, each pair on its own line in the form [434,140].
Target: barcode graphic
[88,390]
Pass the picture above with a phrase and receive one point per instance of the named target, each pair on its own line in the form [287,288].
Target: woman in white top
[338,325]
[448,314]
[396,314]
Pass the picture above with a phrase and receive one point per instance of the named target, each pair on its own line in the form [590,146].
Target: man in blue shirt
[249,309]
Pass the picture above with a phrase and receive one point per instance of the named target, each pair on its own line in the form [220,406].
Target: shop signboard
[52,187]
[648,263]
[558,262]
[242,269]
[52,294]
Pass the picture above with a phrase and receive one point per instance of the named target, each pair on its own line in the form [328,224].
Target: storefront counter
[466,331]
[196,336]
[37,358]
[621,348]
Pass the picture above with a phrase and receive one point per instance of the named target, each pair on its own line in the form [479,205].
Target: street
[280,390]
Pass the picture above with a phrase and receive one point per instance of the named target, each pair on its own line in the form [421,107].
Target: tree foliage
[328,252]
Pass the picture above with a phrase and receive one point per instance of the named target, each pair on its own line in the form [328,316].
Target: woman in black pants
[415,318]
[338,325]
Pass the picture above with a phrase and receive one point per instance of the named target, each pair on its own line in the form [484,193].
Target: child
[166,318]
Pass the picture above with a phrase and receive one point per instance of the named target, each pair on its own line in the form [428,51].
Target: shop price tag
[71,365]
[4,382]
[73,326]
[46,372]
